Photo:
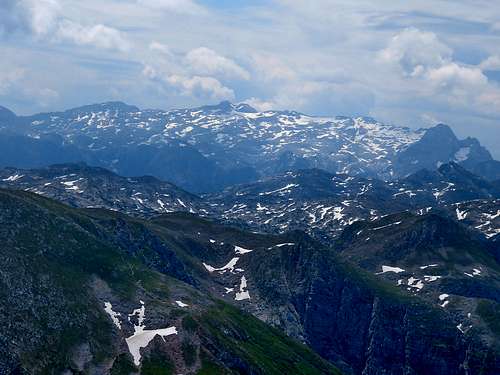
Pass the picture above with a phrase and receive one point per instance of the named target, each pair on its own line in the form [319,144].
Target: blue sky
[412,63]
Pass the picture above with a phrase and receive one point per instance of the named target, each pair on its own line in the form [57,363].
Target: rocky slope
[349,313]
[82,186]
[315,201]
[323,204]
[78,299]
[212,147]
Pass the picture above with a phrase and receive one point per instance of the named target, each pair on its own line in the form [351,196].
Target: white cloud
[420,66]
[271,67]
[99,36]
[201,87]
[260,105]
[176,6]
[208,88]
[207,62]
[155,46]
[414,51]
[9,76]
[43,15]
[44,97]
[491,63]
[44,19]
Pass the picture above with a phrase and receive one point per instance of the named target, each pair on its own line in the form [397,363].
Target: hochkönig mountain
[207,148]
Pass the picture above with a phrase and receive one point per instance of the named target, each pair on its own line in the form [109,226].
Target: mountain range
[208,148]
[281,244]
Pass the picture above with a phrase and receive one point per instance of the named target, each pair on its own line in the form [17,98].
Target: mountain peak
[6,114]
[106,106]
[245,108]
[441,131]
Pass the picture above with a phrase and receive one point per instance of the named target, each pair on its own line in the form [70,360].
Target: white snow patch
[243,293]
[387,226]
[142,337]
[13,178]
[430,265]
[229,266]
[284,244]
[461,214]
[240,250]
[431,278]
[181,304]
[283,189]
[443,296]
[462,154]
[415,283]
[391,269]
[112,314]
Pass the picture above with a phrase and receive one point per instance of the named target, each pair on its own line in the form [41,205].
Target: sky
[410,63]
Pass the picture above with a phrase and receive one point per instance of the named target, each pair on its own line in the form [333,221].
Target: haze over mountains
[254,243]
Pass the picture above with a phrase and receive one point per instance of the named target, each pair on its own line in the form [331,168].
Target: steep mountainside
[362,321]
[208,148]
[358,319]
[78,299]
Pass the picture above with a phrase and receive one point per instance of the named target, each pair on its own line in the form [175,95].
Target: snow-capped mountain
[211,147]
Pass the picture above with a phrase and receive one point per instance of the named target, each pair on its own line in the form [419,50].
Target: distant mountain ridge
[208,148]
[312,200]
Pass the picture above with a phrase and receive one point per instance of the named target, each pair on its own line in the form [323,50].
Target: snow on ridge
[461,215]
[386,269]
[241,250]
[181,304]
[13,178]
[243,293]
[228,267]
[142,337]
[112,314]
[462,154]
[283,189]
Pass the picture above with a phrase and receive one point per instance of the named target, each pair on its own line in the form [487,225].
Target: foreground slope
[78,299]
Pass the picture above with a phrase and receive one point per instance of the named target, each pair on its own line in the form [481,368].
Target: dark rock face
[489,169]
[6,115]
[438,146]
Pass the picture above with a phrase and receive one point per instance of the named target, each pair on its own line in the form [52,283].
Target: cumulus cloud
[414,51]
[201,87]
[426,69]
[99,36]
[199,73]
[206,61]
[491,63]
[44,19]
[208,88]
